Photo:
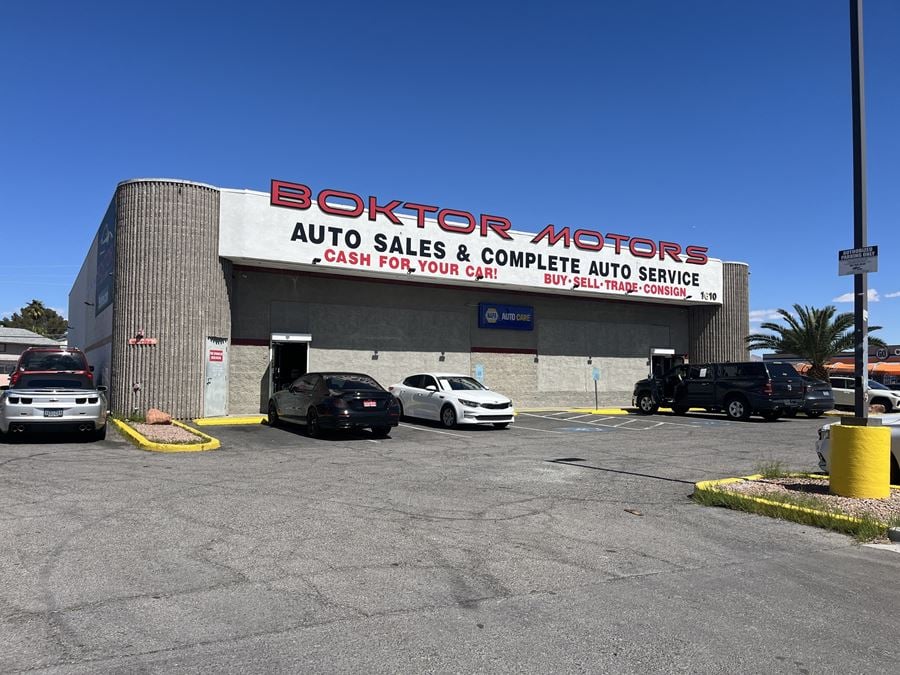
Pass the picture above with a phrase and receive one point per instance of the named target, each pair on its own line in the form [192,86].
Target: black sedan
[331,401]
[818,398]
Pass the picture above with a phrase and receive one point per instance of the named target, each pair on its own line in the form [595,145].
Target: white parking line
[433,431]
[619,422]
[546,431]
[592,423]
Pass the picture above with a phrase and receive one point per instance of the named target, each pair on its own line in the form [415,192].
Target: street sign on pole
[858,260]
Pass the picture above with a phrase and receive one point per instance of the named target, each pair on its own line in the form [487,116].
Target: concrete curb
[146,444]
[227,421]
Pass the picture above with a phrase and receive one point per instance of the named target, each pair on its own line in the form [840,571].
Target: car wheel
[313,428]
[448,416]
[100,434]
[381,432]
[274,420]
[814,413]
[501,425]
[895,471]
[400,403]
[680,409]
[770,415]
[737,409]
[882,402]
[646,404]
[791,412]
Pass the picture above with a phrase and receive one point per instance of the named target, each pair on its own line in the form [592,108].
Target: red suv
[45,360]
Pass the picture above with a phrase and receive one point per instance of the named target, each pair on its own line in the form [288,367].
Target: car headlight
[470,404]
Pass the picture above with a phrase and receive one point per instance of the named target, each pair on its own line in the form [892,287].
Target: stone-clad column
[717,332]
[171,286]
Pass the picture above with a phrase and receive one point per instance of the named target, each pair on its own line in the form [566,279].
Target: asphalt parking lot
[566,543]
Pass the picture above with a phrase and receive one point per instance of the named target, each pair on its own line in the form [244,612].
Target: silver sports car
[53,402]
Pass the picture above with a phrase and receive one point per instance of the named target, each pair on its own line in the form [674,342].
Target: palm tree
[34,310]
[813,334]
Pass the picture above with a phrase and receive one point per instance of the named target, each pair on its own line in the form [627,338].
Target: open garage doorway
[662,360]
[288,359]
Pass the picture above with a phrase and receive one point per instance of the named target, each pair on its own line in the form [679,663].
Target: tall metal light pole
[860,280]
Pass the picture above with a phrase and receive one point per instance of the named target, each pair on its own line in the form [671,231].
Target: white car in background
[844,393]
[452,399]
[823,446]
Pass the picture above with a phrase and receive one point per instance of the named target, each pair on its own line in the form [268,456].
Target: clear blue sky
[710,122]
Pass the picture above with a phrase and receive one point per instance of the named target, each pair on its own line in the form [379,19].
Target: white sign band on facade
[458,248]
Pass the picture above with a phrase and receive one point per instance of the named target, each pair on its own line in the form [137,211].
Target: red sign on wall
[216,355]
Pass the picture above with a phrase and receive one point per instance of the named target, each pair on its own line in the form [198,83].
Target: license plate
[369,404]
[53,412]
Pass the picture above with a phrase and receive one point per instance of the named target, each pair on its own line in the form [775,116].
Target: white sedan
[823,446]
[452,399]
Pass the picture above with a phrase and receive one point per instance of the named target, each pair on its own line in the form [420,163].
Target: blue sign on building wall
[510,317]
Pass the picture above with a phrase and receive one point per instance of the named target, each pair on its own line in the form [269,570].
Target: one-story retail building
[202,300]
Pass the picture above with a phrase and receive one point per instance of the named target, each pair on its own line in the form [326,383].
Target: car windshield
[876,385]
[460,384]
[350,382]
[51,361]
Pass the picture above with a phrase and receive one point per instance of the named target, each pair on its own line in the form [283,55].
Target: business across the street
[203,300]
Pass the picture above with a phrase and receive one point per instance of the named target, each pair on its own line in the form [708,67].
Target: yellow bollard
[860,461]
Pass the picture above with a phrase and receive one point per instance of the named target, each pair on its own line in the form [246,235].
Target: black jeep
[769,388]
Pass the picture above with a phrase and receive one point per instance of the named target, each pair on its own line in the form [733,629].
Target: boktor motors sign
[338,231]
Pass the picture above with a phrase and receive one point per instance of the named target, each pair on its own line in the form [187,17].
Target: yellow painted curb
[146,444]
[711,486]
[225,421]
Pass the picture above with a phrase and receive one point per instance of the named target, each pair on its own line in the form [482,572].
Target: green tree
[812,334]
[38,318]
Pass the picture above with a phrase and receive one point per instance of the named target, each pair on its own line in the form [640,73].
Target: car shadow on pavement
[718,417]
[48,438]
[329,435]
[434,424]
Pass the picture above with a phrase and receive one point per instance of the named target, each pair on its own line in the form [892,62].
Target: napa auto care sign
[329,230]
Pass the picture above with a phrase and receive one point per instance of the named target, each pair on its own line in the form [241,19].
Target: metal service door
[215,398]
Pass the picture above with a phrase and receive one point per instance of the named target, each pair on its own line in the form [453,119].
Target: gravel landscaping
[166,433]
[885,510]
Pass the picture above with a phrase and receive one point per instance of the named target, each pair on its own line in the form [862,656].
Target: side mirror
[4,387]
[91,368]
[101,388]
[430,387]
